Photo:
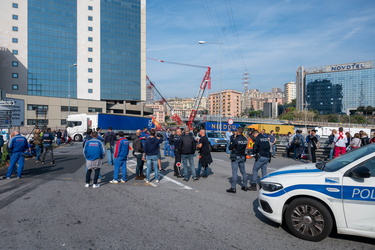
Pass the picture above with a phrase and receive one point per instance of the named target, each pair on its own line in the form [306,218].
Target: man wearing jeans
[263,156]
[109,141]
[187,148]
[152,145]
[120,156]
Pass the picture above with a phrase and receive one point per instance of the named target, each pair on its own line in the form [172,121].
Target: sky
[269,39]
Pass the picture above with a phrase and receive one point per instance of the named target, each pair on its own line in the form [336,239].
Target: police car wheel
[308,219]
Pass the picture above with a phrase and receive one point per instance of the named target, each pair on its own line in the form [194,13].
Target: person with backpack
[48,139]
[364,138]
[298,143]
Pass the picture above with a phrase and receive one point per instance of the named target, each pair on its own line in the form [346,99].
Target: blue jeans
[298,151]
[167,148]
[120,162]
[38,149]
[239,163]
[16,157]
[152,159]
[110,152]
[331,153]
[273,150]
[58,141]
[261,163]
[227,148]
[205,169]
[172,151]
[189,158]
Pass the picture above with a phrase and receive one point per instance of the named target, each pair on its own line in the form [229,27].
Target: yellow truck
[279,129]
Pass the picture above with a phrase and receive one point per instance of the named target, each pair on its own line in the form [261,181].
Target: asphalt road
[51,209]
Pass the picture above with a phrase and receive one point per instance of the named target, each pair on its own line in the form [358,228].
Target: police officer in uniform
[238,146]
[262,157]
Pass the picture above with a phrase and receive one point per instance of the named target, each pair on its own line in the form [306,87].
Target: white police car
[312,199]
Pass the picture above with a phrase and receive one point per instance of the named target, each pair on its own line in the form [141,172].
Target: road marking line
[133,171]
[164,177]
[215,159]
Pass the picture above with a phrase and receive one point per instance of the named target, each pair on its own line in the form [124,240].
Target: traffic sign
[230,121]
[17,107]
[8,103]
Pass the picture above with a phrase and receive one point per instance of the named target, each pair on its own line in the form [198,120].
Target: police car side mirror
[360,172]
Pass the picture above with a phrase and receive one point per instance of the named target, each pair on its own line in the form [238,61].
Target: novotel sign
[349,66]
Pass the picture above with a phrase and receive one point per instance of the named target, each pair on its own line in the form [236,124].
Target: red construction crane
[163,101]
[205,82]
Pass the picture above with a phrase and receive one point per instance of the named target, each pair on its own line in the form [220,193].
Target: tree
[368,110]
[361,109]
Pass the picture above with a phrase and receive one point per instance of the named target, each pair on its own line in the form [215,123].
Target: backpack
[297,140]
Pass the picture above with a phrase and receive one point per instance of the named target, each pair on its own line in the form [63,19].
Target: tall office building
[336,88]
[74,49]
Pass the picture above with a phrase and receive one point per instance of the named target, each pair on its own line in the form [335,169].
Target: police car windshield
[215,135]
[342,161]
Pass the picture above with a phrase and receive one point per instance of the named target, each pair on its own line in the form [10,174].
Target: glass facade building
[120,50]
[337,88]
[103,39]
[52,47]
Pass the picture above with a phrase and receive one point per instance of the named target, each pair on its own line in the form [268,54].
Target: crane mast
[205,82]
[174,116]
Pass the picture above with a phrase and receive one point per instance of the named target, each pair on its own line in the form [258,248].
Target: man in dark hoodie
[151,152]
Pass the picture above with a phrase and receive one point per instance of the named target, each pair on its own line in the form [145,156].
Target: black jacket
[262,146]
[137,145]
[205,157]
[238,144]
[187,144]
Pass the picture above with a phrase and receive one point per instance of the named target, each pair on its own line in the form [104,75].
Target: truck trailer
[279,129]
[77,124]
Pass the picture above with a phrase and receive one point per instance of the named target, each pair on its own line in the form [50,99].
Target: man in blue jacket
[17,145]
[121,156]
[94,153]
[151,152]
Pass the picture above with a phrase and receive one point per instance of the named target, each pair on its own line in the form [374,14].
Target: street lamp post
[221,94]
[70,65]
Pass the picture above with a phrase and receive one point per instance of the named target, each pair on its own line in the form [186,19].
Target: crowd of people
[338,143]
[146,149]
[180,145]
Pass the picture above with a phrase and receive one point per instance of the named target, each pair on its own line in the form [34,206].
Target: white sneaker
[157,181]
[87,185]
[96,185]
[147,181]
[113,182]
[122,181]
